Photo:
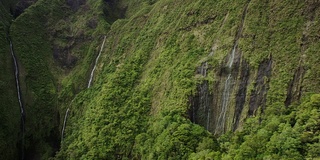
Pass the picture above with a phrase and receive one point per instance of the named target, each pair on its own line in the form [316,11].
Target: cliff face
[260,64]
[10,136]
[165,73]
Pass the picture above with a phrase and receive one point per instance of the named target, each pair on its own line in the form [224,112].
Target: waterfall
[226,93]
[64,123]
[16,73]
[95,64]
[89,84]
[231,59]
[220,127]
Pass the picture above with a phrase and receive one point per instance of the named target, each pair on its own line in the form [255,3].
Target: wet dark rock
[200,105]
[200,111]
[295,86]
[241,94]
[211,108]
[259,94]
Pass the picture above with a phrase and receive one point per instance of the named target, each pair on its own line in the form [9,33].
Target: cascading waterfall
[16,73]
[95,64]
[220,127]
[226,92]
[89,85]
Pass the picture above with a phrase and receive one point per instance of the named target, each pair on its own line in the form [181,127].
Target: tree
[284,144]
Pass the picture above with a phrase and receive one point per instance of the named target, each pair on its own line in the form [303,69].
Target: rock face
[244,75]
[221,111]
[242,90]
[258,95]
[206,107]
[200,110]
[154,73]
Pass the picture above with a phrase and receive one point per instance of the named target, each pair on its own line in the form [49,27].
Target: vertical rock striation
[200,109]
[259,94]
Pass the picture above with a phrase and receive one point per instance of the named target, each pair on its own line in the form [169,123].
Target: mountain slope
[175,79]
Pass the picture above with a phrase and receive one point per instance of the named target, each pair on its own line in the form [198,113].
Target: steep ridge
[16,73]
[37,85]
[11,126]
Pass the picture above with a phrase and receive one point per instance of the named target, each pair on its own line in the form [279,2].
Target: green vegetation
[33,52]
[137,106]
[290,136]
[10,109]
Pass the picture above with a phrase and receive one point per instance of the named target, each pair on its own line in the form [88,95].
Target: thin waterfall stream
[64,123]
[16,73]
[95,64]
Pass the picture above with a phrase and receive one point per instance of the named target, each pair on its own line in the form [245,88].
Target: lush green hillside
[176,79]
